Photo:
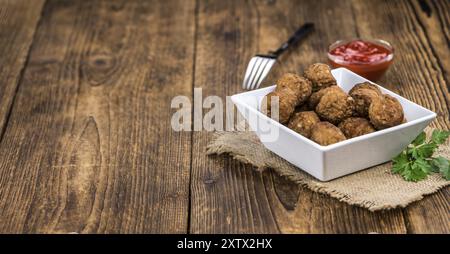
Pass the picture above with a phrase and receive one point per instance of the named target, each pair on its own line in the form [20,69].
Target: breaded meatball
[297,84]
[365,85]
[302,122]
[324,133]
[316,96]
[286,107]
[364,94]
[385,111]
[320,76]
[335,106]
[355,126]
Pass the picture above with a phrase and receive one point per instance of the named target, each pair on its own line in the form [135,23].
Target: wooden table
[85,91]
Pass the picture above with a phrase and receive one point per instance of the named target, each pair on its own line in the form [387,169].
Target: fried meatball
[315,97]
[364,94]
[385,111]
[365,85]
[302,122]
[286,107]
[320,76]
[355,126]
[300,86]
[335,106]
[324,133]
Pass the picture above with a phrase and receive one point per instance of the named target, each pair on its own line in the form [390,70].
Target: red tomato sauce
[369,59]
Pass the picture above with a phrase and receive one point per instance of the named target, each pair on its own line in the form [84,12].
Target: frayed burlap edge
[375,188]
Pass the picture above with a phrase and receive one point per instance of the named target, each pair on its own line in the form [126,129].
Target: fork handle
[301,33]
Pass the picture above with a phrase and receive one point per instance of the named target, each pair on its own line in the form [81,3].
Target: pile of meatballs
[314,106]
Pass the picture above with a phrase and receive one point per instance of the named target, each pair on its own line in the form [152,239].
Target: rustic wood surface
[85,91]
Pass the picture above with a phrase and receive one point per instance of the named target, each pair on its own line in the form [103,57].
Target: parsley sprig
[417,161]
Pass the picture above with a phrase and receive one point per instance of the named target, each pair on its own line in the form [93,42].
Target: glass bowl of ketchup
[368,58]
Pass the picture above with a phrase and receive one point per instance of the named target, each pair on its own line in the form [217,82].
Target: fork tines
[257,69]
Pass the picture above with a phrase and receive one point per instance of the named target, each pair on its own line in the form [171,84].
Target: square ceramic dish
[329,162]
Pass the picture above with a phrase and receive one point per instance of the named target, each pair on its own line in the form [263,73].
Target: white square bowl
[329,162]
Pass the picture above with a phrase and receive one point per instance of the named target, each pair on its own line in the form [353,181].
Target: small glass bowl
[370,70]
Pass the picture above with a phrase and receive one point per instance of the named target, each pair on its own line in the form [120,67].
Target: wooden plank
[419,74]
[227,197]
[89,146]
[416,73]
[434,18]
[298,210]
[432,214]
[18,20]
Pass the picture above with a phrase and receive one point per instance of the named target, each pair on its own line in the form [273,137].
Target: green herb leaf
[446,173]
[413,173]
[400,162]
[441,164]
[439,137]
[419,139]
[438,163]
[416,161]
[423,165]
[425,151]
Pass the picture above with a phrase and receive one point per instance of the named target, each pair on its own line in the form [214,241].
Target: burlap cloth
[375,188]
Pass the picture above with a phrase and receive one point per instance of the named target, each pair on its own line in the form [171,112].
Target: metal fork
[260,65]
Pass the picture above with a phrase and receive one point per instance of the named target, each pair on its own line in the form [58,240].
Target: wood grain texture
[419,73]
[226,196]
[432,215]
[299,210]
[18,21]
[88,147]
[416,73]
